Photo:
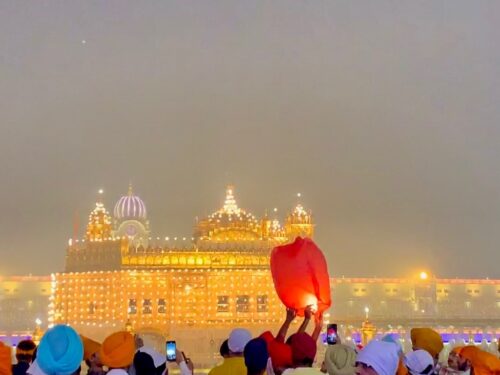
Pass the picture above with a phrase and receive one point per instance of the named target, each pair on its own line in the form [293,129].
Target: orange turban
[427,339]
[118,350]
[89,347]
[483,363]
[5,359]
[457,349]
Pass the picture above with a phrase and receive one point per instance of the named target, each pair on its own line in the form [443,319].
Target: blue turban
[60,351]
[256,355]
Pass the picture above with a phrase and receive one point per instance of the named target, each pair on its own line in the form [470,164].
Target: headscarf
[303,347]
[427,339]
[117,350]
[340,360]
[280,353]
[89,347]
[381,356]
[238,338]
[256,355]
[483,363]
[5,359]
[60,351]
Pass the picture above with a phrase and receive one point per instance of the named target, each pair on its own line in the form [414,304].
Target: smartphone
[171,350]
[331,334]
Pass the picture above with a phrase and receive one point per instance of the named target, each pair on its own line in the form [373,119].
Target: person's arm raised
[290,316]
[318,325]
[308,313]
[185,364]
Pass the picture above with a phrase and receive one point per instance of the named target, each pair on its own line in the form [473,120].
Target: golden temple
[219,279]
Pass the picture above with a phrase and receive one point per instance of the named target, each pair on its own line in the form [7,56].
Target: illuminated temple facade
[120,276]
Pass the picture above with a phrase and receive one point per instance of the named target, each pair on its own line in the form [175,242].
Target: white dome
[130,206]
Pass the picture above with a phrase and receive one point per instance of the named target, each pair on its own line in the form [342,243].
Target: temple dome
[130,207]
[229,223]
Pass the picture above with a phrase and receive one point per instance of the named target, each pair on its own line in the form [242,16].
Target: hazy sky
[384,114]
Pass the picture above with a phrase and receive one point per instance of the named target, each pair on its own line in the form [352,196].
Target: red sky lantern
[300,275]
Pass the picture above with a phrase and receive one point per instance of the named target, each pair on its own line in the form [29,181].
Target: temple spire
[230,205]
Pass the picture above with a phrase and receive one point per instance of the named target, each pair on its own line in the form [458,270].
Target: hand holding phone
[171,351]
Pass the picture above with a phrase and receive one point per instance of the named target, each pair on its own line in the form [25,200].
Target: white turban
[381,356]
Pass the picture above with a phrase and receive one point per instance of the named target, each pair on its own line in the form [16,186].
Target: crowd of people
[62,351]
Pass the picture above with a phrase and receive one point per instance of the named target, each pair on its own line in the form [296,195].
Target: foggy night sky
[385,115]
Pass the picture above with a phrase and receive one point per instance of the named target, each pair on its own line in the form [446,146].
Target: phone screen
[331,334]
[171,349]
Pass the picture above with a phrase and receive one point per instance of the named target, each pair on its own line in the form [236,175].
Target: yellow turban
[89,347]
[118,350]
[483,363]
[427,339]
[5,360]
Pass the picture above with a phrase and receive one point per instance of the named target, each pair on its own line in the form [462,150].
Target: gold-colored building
[119,275]
[195,290]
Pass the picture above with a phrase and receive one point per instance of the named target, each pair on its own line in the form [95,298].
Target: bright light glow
[299,195]
[424,275]
[38,321]
[367,310]
[101,191]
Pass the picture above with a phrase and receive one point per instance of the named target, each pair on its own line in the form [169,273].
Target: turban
[89,347]
[256,355]
[118,350]
[238,338]
[457,349]
[483,363]
[60,351]
[280,353]
[419,362]
[340,360]
[381,356]
[303,347]
[5,359]
[427,339]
